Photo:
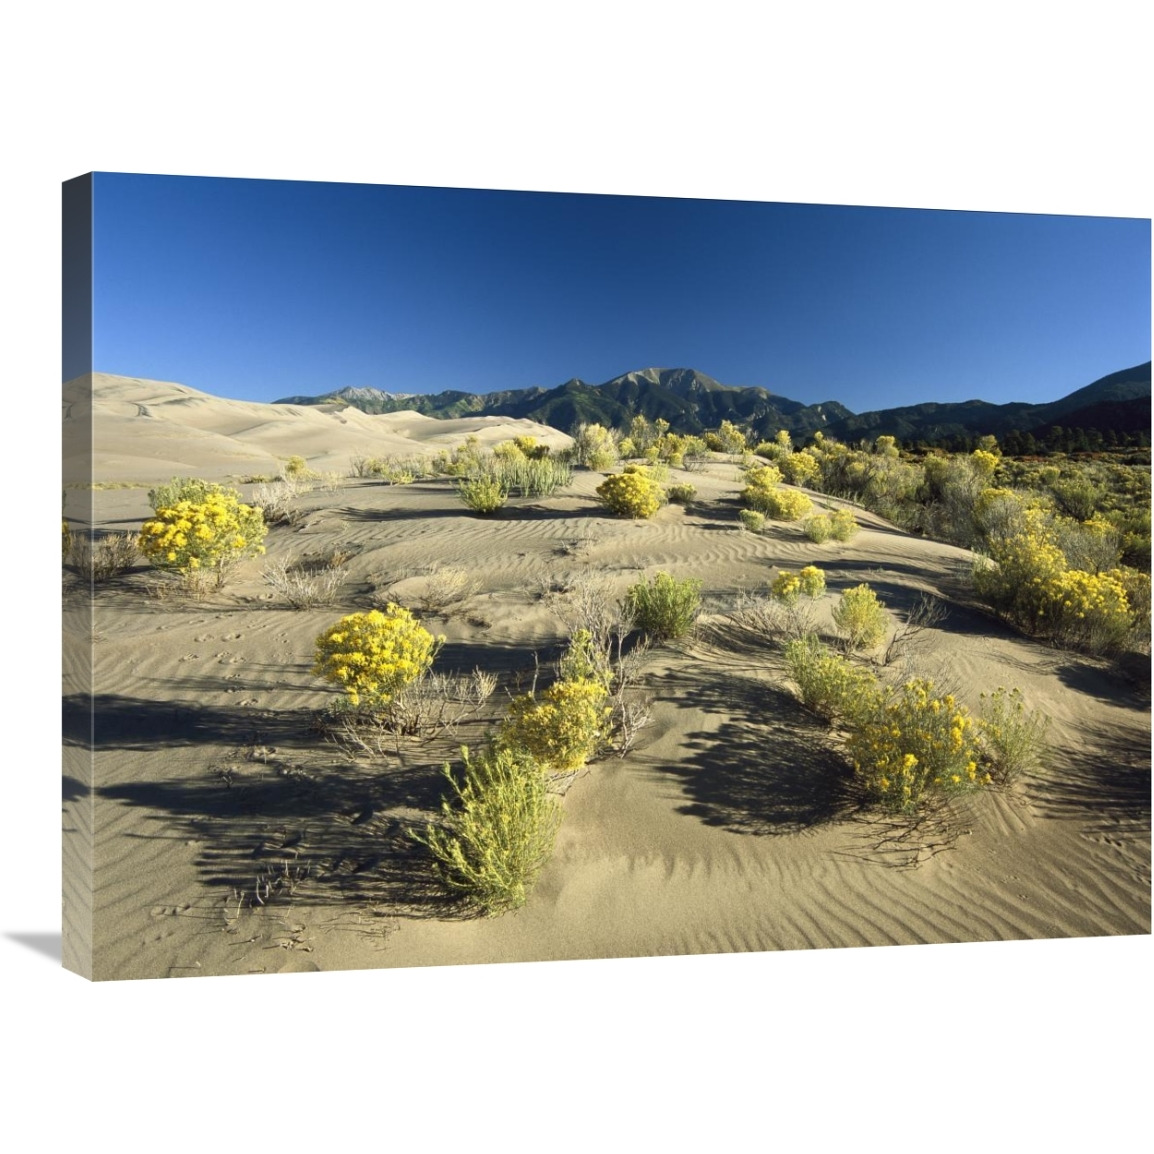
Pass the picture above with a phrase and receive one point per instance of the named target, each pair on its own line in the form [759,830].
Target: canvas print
[455,576]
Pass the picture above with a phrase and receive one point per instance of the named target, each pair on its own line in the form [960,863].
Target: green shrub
[533,476]
[498,827]
[1013,739]
[843,526]
[752,520]
[665,608]
[482,494]
[818,528]
[594,447]
[105,558]
[191,489]
[630,494]
[827,682]
[860,618]
[681,494]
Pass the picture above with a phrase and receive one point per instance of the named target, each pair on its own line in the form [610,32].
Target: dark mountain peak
[681,382]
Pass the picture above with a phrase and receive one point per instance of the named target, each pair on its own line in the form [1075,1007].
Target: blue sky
[259,289]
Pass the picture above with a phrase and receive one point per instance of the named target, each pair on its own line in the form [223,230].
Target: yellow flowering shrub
[1089,609]
[914,742]
[984,463]
[760,484]
[373,656]
[861,618]
[800,468]
[1027,577]
[202,537]
[751,520]
[787,505]
[630,494]
[560,728]
[789,587]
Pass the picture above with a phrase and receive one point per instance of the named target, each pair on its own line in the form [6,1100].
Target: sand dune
[151,430]
[728,828]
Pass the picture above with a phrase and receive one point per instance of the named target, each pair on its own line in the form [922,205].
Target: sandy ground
[231,837]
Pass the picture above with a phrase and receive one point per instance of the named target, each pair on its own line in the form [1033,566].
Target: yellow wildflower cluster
[1031,581]
[763,493]
[915,742]
[800,468]
[984,463]
[560,728]
[373,656]
[630,494]
[789,587]
[210,534]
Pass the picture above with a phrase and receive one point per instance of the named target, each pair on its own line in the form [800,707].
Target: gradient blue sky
[259,289]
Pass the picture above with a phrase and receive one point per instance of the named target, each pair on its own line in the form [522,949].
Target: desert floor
[232,837]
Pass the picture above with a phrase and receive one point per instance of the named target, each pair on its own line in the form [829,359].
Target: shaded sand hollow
[230,836]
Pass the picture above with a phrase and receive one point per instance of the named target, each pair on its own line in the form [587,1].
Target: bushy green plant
[911,742]
[664,607]
[818,528]
[860,618]
[1013,738]
[827,683]
[842,524]
[191,489]
[681,494]
[104,559]
[373,656]
[751,520]
[205,537]
[484,494]
[498,827]
[630,494]
[594,447]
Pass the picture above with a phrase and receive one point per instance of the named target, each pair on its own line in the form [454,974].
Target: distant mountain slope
[691,402]
[1120,401]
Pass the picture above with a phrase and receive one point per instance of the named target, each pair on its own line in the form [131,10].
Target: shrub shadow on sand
[768,769]
[1104,784]
[268,831]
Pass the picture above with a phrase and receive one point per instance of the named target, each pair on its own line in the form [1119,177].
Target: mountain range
[692,402]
